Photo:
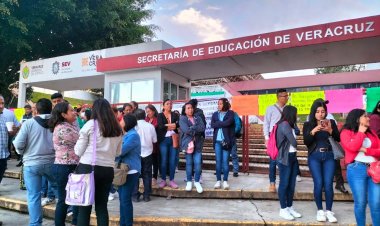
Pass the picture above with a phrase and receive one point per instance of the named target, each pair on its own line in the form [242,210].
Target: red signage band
[324,33]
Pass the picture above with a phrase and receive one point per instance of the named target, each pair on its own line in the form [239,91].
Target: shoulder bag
[336,148]
[374,172]
[120,173]
[80,188]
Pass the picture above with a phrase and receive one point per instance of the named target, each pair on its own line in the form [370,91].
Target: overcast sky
[186,22]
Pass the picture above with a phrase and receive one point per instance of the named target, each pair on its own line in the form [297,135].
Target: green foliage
[337,69]
[34,29]
[74,102]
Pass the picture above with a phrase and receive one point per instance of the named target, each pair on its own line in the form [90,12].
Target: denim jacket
[190,132]
[284,138]
[131,150]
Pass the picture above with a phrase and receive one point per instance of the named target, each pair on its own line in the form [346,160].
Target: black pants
[156,164]
[146,175]
[338,174]
[103,181]
[3,167]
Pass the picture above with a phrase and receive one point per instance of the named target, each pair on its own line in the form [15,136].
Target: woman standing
[223,123]
[108,146]
[320,157]
[167,136]
[130,155]
[287,161]
[374,119]
[362,147]
[65,136]
[151,117]
[192,129]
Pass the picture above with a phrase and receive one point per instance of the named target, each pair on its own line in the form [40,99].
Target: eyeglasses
[286,96]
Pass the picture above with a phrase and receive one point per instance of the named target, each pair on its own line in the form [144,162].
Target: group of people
[359,138]
[56,142]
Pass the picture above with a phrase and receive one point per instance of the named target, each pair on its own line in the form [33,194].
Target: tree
[30,30]
[337,69]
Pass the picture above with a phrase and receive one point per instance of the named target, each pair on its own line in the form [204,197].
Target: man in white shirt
[148,137]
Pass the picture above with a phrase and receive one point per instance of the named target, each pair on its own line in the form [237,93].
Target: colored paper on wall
[19,112]
[303,100]
[265,101]
[344,100]
[245,104]
[373,96]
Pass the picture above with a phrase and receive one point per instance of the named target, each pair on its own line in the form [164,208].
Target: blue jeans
[62,175]
[33,181]
[222,159]
[288,175]
[47,190]
[322,168]
[235,158]
[194,159]
[364,191]
[272,170]
[168,154]
[125,197]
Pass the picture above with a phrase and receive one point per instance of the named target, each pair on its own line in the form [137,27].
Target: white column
[107,88]
[21,95]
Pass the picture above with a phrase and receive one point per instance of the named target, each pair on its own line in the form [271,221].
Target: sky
[187,22]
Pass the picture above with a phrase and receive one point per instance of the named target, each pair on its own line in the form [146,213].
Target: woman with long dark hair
[223,123]
[287,161]
[321,161]
[107,146]
[192,139]
[151,117]
[65,136]
[362,147]
[167,136]
[374,119]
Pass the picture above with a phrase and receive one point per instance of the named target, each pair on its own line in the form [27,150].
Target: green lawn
[74,102]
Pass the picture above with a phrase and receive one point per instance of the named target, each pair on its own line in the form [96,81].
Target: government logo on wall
[55,67]
[25,72]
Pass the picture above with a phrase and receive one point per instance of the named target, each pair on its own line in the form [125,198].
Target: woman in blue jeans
[287,162]
[65,136]
[320,157]
[167,137]
[223,123]
[192,139]
[130,154]
[362,147]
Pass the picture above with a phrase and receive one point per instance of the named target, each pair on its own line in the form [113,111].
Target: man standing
[28,113]
[148,137]
[272,116]
[56,98]
[6,116]
[35,143]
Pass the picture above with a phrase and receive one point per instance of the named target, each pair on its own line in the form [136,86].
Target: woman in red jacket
[362,147]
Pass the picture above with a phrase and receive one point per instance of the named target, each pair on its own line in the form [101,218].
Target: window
[173,92]
[124,92]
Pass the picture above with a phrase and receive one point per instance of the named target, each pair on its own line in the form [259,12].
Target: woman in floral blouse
[65,136]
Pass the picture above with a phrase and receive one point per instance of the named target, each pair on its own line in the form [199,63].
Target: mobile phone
[323,123]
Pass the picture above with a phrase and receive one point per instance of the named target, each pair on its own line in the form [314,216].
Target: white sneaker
[198,186]
[217,185]
[47,201]
[284,213]
[225,185]
[330,217]
[189,185]
[299,178]
[293,212]
[111,197]
[321,217]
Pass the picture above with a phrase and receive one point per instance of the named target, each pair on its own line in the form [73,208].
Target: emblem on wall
[55,67]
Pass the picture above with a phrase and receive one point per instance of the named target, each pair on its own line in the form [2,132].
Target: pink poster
[344,100]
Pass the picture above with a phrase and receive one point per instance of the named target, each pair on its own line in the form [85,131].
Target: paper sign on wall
[303,100]
[246,104]
[265,101]
[373,96]
[344,100]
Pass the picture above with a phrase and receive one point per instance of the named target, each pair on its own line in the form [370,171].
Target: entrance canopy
[340,43]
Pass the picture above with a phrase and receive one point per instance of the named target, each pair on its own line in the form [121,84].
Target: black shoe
[236,174]
[1,223]
[341,188]
[23,188]
[136,198]
[19,164]
[146,199]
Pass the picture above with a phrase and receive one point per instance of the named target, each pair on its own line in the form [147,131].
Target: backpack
[239,123]
[272,149]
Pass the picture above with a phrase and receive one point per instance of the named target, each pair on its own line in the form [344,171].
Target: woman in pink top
[65,136]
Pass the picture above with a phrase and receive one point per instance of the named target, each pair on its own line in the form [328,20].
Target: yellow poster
[265,101]
[303,100]
[19,112]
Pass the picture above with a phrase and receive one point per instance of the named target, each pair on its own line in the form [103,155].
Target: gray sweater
[284,138]
[35,143]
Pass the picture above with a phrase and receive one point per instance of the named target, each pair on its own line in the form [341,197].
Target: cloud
[192,2]
[215,8]
[207,28]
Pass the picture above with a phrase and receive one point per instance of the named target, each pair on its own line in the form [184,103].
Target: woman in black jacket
[320,157]
[168,139]
[223,123]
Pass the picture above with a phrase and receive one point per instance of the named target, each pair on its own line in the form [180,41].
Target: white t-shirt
[361,157]
[148,136]
[291,148]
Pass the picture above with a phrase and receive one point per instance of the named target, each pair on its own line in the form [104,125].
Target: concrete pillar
[107,88]
[21,95]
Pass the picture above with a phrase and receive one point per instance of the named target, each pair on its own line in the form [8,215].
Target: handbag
[175,138]
[190,147]
[374,171]
[120,173]
[80,188]
[336,148]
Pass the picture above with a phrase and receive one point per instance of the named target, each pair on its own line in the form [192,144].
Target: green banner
[373,96]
